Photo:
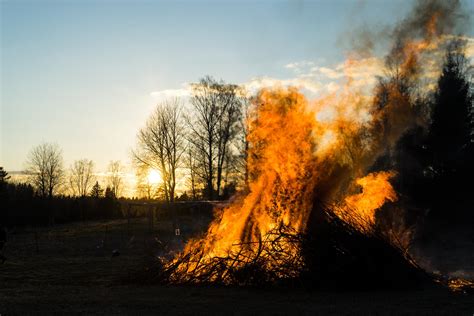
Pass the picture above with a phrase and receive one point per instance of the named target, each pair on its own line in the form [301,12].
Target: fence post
[36,242]
[105,235]
[128,220]
[150,217]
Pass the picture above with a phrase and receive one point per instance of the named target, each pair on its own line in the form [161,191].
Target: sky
[86,74]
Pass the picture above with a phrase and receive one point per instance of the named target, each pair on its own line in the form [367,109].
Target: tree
[243,143]
[114,177]
[81,176]
[191,165]
[145,188]
[45,165]
[214,126]
[109,193]
[449,141]
[161,144]
[97,190]
[3,175]
[451,128]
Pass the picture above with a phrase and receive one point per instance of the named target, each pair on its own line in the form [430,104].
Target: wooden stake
[36,242]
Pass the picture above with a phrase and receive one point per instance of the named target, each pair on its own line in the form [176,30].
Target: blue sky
[81,73]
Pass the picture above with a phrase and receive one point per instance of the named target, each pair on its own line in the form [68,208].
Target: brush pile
[332,254]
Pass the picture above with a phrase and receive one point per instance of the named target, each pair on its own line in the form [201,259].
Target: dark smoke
[449,15]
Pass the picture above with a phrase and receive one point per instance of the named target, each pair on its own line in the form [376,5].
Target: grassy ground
[70,269]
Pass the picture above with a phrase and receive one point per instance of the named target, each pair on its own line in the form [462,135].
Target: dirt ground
[70,269]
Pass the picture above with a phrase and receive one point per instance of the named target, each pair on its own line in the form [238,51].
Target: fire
[293,160]
[359,209]
[302,153]
[281,164]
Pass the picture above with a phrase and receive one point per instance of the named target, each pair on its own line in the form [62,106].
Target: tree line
[46,173]
[203,146]
[204,143]
[24,204]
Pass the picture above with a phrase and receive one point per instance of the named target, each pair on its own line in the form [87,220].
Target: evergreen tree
[449,139]
[451,113]
[3,179]
[3,175]
[96,191]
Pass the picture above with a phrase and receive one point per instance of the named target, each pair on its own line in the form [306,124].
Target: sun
[154,176]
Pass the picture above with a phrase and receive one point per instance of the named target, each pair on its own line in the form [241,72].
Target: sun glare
[154,176]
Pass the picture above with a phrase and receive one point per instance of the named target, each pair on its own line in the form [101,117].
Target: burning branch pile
[269,260]
[310,209]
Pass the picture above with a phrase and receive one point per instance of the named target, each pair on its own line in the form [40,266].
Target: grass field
[70,269]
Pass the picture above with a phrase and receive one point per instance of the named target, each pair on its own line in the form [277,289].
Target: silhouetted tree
[45,165]
[3,175]
[109,193]
[213,127]
[145,188]
[450,130]
[3,190]
[191,164]
[96,190]
[433,160]
[114,177]
[161,144]
[81,177]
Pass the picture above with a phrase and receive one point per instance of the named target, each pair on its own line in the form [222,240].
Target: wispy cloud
[299,65]
[361,73]
[353,69]
[315,79]
[311,79]
[256,84]
[171,93]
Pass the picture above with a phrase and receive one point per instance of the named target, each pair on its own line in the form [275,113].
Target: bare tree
[192,167]
[213,127]
[45,165]
[81,177]
[228,127]
[114,177]
[161,144]
[144,187]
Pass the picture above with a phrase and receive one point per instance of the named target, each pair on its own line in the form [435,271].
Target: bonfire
[309,214]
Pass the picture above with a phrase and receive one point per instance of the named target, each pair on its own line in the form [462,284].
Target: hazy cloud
[306,85]
[314,80]
[171,93]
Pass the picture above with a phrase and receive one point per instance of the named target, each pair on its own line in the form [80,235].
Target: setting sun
[154,176]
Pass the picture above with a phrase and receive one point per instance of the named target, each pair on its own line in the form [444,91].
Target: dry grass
[70,274]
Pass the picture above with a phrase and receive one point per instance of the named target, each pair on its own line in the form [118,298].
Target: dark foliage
[435,161]
[21,206]
[449,141]
[450,129]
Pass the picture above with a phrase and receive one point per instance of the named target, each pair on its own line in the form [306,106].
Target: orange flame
[301,151]
[359,209]
[293,159]
[281,165]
